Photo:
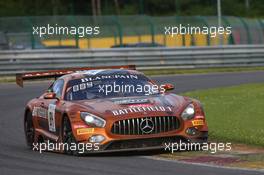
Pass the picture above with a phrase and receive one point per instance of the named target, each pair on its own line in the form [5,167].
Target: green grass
[7,79]
[199,71]
[234,114]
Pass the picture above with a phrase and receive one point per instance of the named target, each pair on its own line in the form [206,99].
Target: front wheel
[68,138]
[29,130]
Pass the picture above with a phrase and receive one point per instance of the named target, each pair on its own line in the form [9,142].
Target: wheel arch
[26,112]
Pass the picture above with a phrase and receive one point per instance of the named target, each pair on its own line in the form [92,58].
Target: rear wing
[20,77]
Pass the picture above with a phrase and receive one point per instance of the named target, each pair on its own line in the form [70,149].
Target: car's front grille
[135,126]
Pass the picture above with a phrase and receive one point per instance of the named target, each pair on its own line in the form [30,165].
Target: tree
[96,7]
[117,7]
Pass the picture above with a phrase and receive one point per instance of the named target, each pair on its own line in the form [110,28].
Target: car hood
[167,104]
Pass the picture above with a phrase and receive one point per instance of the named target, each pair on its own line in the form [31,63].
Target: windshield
[109,86]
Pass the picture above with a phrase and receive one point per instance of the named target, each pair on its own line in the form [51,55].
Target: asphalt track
[15,158]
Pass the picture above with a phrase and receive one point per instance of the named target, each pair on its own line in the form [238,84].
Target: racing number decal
[51,117]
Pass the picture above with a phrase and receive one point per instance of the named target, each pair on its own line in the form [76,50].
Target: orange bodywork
[124,119]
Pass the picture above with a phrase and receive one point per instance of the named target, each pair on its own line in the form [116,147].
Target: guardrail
[12,62]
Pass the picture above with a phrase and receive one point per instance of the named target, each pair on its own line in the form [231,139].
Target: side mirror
[50,95]
[168,87]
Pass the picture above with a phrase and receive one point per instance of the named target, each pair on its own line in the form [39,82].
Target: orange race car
[109,109]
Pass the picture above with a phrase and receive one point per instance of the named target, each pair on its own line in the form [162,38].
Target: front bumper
[158,143]
[134,140]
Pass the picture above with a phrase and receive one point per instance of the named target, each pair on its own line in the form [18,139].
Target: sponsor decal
[39,112]
[82,131]
[197,122]
[131,101]
[199,117]
[91,72]
[82,86]
[51,117]
[117,76]
[137,109]
[79,126]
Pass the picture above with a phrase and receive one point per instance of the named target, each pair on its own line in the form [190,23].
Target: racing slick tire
[68,137]
[29,130]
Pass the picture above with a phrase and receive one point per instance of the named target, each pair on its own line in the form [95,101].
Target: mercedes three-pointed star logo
[146,125]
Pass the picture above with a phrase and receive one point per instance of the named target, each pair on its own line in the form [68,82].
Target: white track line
[202,164]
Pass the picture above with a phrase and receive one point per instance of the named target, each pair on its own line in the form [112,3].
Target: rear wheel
[68,138]
[29,130]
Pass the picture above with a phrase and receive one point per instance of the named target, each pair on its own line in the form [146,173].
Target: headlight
[92,120]
[188,113]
